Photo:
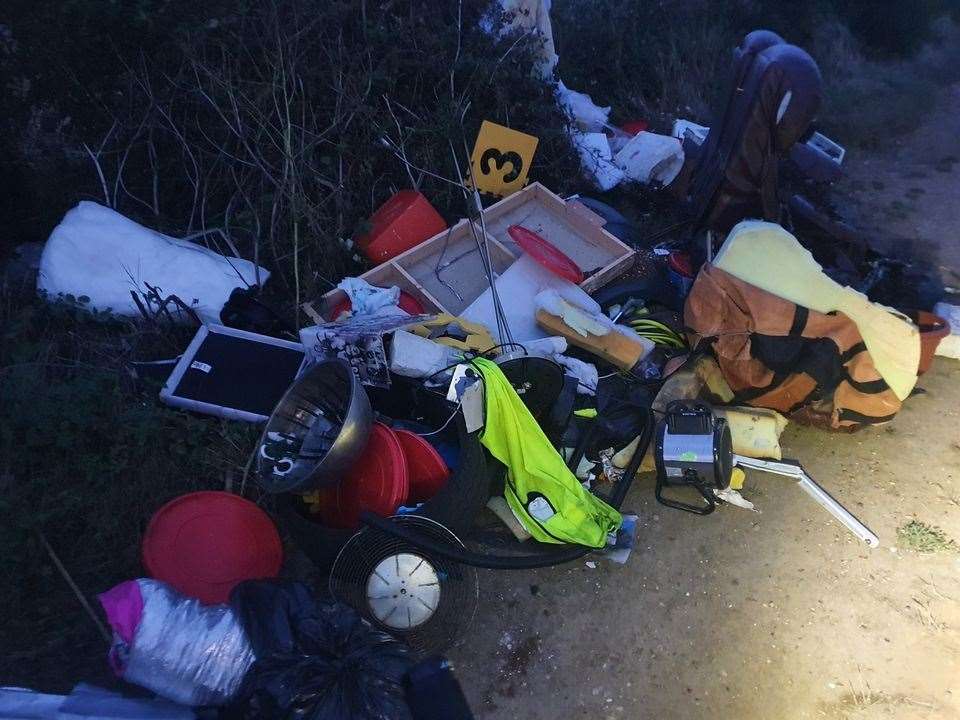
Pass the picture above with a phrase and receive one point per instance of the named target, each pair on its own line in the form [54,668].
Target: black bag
[315,660]
[434,693]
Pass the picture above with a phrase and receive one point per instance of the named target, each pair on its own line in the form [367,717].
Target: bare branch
[95,158]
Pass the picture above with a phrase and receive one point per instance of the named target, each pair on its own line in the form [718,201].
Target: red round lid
[634,127]
[428,472]
[545,253]
[680,262]
[378,482]
[204,543]
[407,302]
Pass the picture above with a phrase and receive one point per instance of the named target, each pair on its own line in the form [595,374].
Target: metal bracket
[793,469]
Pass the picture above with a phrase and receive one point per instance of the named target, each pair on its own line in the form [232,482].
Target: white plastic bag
[682,128]
[417,357]
[87,702]
[585,373]
[526,16]
[950,313]
[97,253]
[596,159]
[365,299]
[580,108]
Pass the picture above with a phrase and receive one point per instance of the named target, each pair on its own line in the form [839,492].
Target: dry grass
[923,538]
[869,102]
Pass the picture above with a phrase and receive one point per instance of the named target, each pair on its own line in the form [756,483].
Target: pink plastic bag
[123,606]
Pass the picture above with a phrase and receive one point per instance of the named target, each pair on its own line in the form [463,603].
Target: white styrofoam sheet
[517,288]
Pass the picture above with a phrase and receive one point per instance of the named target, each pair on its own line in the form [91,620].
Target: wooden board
[614,347]
[445,272]
[452,271]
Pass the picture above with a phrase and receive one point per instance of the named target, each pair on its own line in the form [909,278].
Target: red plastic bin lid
[428,472]
[205,543]
[407,302]
[680,262]
[635,127]
[545,253]
[378,482]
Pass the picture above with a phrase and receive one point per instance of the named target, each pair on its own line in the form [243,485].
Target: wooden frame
[452,254]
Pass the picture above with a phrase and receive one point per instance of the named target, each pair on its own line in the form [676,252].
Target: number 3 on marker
[501,159]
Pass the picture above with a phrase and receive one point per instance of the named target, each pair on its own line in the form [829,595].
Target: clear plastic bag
[182,650]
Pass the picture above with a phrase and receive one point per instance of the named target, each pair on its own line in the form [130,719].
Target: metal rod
[503,328]
[794,470]
[833,506]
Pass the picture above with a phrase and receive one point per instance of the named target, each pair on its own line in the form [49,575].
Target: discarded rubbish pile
[272,652]
[502,363]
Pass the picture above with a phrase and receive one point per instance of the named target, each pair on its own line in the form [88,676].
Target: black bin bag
[316,660]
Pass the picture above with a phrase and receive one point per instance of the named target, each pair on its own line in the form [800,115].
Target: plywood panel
[567,225]
[454,273]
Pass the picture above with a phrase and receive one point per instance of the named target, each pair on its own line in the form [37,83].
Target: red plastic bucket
[933,329]
[204,543]
[402,222]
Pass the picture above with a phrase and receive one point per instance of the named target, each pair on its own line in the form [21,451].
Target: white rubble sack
[96,252]
[649,158]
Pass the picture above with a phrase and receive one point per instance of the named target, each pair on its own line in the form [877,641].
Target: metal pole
[793,469]
[833,506]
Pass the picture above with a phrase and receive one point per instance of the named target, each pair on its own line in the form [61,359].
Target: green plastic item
[543,493]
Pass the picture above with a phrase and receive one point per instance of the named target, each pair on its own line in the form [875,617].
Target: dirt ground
[906,197]
[781,614]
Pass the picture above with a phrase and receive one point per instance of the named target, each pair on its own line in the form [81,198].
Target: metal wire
[459,584]
[437,268]
[474,205]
